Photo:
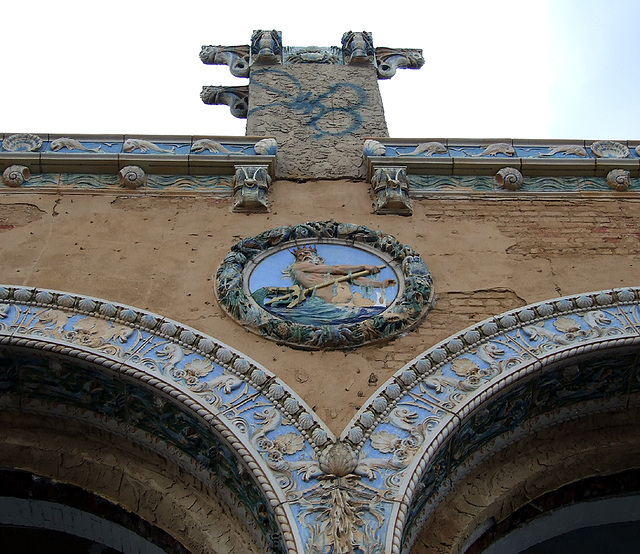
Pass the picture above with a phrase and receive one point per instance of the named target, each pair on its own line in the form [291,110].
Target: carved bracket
[236,57]
[266,47]
[391,191]
[250,186]
[390,59]
[237,98]
[357,48]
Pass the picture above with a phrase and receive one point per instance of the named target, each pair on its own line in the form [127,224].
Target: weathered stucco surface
[160,253]
[127,474]
[320,116]
[598,445]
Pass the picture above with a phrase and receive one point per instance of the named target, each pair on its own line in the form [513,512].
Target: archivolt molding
[265,423]
[393,460]
[454,398]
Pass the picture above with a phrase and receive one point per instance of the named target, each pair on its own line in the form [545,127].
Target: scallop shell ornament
[374,148]
[609,149]
[22,142]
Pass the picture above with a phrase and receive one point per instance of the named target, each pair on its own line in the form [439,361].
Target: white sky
[495,69]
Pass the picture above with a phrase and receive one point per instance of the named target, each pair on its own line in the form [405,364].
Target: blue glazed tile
[42,180]
[416,150]
[502,414]
[409,428]
[549,184]
[487,151]
[87,181]
[530,151]
[9,313]
[559,151]
[226,150]
[632,313]
[219,184]
[75,146]
[593,184]
[566,331]
[583,381]
[431,483]
[445,183]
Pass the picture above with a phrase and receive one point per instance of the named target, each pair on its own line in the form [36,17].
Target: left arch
[214,412]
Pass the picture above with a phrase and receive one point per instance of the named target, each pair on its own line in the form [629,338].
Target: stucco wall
[597,445]
[125,473]
[319,114]
[159,253]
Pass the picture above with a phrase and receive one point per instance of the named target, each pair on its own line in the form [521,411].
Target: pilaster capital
[391,190]
[250,186]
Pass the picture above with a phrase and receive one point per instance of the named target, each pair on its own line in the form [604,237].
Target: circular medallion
[324,285]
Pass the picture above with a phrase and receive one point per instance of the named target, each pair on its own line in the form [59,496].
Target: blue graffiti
[315,107]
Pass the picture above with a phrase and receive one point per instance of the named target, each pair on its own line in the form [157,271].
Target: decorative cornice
[108,154]
[267,49]
[437,166]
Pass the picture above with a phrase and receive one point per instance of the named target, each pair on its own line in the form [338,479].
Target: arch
[485,387]
[210,410]
[435,421]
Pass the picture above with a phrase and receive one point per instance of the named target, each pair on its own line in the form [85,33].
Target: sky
[565,69]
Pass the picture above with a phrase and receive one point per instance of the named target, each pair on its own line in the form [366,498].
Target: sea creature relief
[497,148]
[428,149]
[210,145]
[144,146]
[70,144]
[567,150]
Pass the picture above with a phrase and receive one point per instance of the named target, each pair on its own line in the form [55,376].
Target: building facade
[317,338]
